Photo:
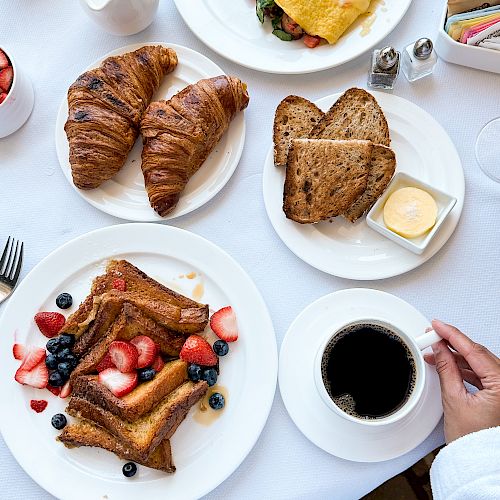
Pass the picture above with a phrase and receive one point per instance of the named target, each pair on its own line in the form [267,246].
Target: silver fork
[10,267]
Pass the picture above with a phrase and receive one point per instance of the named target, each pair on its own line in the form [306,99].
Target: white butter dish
[465,55]
[375,217]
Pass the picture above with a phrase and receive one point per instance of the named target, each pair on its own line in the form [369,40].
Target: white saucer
[355,251]
[124,195]
[327,430]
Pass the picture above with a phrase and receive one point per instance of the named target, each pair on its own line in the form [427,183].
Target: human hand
[465,412]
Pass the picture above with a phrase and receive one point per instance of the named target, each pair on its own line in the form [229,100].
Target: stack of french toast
[135,424]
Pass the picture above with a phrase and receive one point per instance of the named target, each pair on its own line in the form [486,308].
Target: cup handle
[427,339]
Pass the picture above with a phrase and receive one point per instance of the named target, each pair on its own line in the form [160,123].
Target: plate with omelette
[291,36]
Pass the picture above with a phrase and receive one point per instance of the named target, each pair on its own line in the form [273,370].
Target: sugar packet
[459,6]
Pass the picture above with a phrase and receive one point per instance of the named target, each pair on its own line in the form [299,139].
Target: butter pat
[410,212]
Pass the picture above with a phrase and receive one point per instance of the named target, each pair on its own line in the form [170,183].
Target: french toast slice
[86,433]
[146,433]
[169,308]
[139,401]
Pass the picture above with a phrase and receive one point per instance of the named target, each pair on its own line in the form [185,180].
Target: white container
[17,106]
[375,217]
[465,55]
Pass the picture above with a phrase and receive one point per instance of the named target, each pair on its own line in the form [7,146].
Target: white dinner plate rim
[375,273]
[261,413]
[129,214]
[184,12]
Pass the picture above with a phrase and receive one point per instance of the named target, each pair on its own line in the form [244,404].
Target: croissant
[179,134]
[105,109]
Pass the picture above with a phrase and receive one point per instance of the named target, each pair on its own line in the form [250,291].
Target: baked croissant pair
[110,105]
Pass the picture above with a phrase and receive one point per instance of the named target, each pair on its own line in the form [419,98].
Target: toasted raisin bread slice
[295,117]
[324,177]
[146,433]
[355,115]
[86,433]
[141,400]
[187,316]
[382,167]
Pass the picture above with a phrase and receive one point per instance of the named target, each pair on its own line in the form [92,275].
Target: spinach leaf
[283,35]
[261,6]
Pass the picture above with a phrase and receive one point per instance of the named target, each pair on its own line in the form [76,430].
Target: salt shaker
[419,59]
[384,68]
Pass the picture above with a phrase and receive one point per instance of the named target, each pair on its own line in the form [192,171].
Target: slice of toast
[383,165]
[324,177]
[86,433]
[139,401]
[146,433]
[295,117]
[355,115]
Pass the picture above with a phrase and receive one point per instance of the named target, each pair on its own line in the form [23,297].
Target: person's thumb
[449,373]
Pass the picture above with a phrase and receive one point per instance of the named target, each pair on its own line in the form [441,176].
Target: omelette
[328,19]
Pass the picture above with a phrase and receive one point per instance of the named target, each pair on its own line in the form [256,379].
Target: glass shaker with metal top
[384,68]
[419,59]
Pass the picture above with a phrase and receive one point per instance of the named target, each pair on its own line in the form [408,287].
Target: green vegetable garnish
[261,5]
[276,22]
[283,35]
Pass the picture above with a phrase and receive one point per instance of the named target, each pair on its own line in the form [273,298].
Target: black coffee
[368,371]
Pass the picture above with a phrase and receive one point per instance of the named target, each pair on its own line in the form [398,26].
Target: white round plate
[231,28]
[124,195]
[423,150]
[326,429]
[205,455]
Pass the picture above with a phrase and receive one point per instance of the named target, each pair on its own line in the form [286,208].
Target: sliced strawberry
[311,41]
[124,355]
[197,350]
[32,355]
[6,76]
[38,405]
[117,382]
[158,364]
[50,323]
[223,323]
[65,390]
[4,61]
[105,363]
[19,351]
[36,377]
[120,284]
[147,350]
[54,390]
[3,96]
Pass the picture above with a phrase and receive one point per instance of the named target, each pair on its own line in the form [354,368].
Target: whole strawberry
[197,350]
[50,323]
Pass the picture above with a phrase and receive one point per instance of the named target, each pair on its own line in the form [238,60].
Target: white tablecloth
[53,41]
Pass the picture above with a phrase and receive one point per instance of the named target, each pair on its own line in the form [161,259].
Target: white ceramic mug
[17,106]
[415,344]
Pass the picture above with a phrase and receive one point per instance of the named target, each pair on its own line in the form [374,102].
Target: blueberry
[129,469]
[64,369]
[64,300]
[146,374]
[220,347]
[72,360]
[59,421]
[53,345]
[216,401]
[56,380]
[194,372]
[64,353]
[66,340]
[51,361]
[210,376]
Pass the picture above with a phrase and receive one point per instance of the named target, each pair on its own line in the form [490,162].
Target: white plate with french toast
[329,241]
[150,281]
[233,30]
[123,194]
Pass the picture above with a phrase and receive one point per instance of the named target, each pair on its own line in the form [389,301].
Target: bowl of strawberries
[16,95]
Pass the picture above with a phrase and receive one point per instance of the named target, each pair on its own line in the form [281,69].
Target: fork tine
[10,272]
[6,271]
[2,260]
[19,265]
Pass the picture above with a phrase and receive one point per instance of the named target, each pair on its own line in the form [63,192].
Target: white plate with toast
[231,28]
[353,250]
[205,455]
[124,195]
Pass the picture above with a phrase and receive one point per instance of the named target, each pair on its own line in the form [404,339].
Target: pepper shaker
[419,59]
[384,68]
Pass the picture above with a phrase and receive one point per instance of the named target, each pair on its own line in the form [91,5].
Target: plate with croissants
[151,131]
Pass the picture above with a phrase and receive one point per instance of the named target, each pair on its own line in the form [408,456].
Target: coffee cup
[367,357]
